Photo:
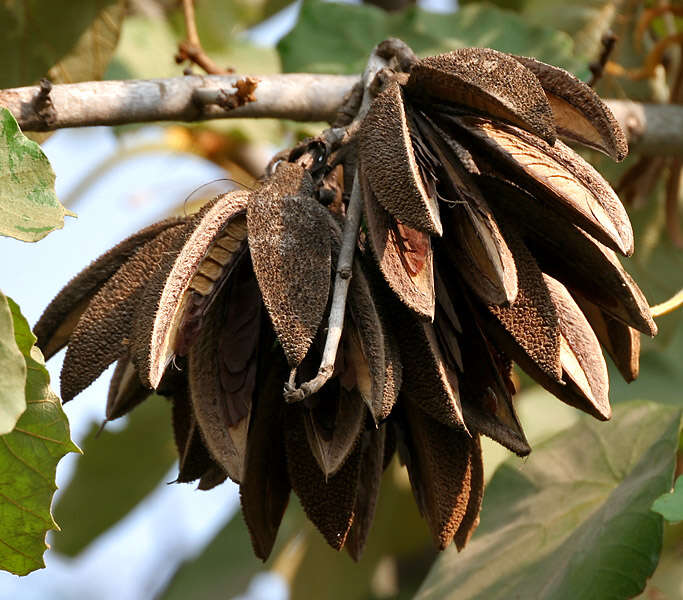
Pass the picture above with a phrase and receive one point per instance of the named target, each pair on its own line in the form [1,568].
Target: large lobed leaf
[29,208]
[575,521]
[28,459]
[14,344]
[337,38]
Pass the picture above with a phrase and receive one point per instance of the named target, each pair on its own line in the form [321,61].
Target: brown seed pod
[621,341]
[486,388]
[527,331]
[103,331]
[328,502]
[440,470]
[214,476]
[557,176]
[489,81]
[426,375]
[290,250]
[578,112]
[387,157]
[223,368]
[573,257]
[334,425]
[125,390]
[193,457]
[372,466]
[583,366]
[475,244]
[59,319]
[264,492]
[404,255]
[368,336]
[470,521]
[216,236]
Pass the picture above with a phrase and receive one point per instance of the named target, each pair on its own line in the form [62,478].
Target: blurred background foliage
[578,509]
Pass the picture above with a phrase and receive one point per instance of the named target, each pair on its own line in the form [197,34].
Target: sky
[174,522]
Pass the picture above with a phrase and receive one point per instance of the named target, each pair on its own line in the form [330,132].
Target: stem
[670,305]
[342,281]
[344,270]
[192,48]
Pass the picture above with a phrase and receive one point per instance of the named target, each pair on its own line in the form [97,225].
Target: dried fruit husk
[485,387]
[264,492]
[426,375]
[333,425]
[488,81]
[223,369]
[621,341]
[290,249]
[527,331]
[193,457]
[404,255]
[440,470]
[125,390]
[555,175]
[214,476]
[329,503]
[475,243]
[61,316]
[573,257]
[372,466]
[583,366]
[387,157]
[169,296]
[104,329]
[578,112]
[470,521]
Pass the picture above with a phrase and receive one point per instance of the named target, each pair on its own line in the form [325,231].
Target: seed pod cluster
[486,241]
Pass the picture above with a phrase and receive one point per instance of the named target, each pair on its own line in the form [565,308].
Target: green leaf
[337,38]
[28,460]
[574,521]
[92,52]
[670,505]
[13,347]
[585,20]
[117,471]
[35,35]
[29,208]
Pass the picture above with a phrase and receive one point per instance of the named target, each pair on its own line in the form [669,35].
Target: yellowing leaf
[29,208]
[13,369]
[28,460]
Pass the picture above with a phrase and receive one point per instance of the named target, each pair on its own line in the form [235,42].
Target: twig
[676,301]
[597,68]
[344,271]
[342,281]
[191,49]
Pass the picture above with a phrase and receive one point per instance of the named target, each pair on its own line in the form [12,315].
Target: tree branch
[300,97]
[651,128]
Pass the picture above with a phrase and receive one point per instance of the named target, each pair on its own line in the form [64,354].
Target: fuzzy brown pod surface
[486,241]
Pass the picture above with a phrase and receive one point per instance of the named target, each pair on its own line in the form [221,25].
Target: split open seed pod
[388,158]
